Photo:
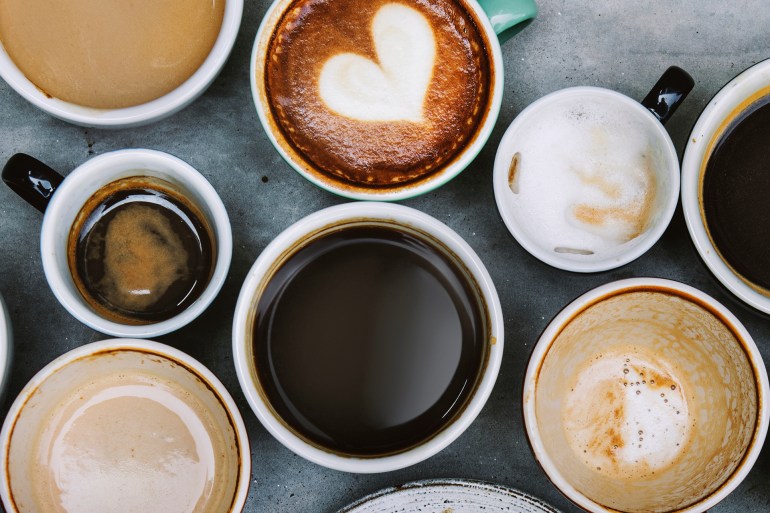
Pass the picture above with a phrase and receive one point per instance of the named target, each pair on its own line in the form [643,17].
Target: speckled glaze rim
[106,168]
[698,149]
[587,265]
[610,289]
[405,192]
[285,244]
[125,344]
[142,114]
[504,494]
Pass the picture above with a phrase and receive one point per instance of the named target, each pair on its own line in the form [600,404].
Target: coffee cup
[383,100]
[646,395]
[117,66]
[124,425]
[728,225]
[6,345]
[367,337]
[587,179]
[134,243]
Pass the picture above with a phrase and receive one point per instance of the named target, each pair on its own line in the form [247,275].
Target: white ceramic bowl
[282,246]
[138,115]
[739,93]
[665,202]
[56,381]
[87,179]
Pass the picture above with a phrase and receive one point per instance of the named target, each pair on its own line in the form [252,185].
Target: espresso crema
[377,94]
[109,54]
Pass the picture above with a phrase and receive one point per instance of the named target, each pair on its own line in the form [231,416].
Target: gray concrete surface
[620,44]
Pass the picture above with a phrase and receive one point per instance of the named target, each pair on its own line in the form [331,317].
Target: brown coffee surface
[736,188]
[109,53]
[369,341]
[139,252]
[377,153]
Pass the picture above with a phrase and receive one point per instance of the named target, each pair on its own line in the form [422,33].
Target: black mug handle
[668,93]
[31,179]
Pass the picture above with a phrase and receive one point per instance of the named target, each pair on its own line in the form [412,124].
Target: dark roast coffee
[139,253]
[369,340]
[736,194]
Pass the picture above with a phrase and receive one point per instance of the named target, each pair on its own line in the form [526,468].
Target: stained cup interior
[645,401]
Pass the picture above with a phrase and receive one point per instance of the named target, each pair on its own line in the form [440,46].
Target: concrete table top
[622,45]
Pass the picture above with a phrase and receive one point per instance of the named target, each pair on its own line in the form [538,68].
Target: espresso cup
[121,117]
[587,179]
[124,425]
[128,273]
[727,225]
[375,100]
[367,337]
[646,395]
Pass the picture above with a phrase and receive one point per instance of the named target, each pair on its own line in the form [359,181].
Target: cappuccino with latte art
[376,95]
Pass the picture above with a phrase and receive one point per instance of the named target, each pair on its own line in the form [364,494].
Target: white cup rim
[74,303]
[322,219]
[598,294]
[588,265]
[138,115]
[751,81]
[437,180]
[192,365]
[6,345]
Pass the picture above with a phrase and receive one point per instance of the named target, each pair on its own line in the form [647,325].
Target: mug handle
[31,179]
[668,93]
[509,17]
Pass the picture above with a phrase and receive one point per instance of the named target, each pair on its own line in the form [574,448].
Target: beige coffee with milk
[109,54]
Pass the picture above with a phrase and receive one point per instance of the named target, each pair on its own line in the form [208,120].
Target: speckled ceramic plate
[448,496]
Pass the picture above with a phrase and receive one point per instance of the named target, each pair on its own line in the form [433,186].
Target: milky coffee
[378,94]
[584,174]
[109,54]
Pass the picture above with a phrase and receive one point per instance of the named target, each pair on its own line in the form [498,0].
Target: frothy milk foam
[626,414]
[389,90]
[583,174]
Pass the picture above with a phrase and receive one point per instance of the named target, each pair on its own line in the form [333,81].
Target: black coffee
[369,340]
[139,253]
[736,194]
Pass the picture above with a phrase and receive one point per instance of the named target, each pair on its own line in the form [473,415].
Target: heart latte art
[376,93]
[393,89]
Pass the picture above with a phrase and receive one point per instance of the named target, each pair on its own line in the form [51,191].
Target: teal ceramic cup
[495,21]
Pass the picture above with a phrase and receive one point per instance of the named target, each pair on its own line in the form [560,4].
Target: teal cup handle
[509,17]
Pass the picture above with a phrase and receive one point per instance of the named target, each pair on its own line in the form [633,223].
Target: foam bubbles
[393,88]
[586,179]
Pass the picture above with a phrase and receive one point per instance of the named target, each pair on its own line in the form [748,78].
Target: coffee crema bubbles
[378,94]
[109,54]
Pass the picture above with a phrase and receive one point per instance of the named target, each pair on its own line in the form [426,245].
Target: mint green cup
[498,20]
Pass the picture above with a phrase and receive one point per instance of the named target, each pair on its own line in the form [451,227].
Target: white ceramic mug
[137,115]
[498,21]
[745,89]
[358,214]
[646,395]
[652,113]
[62,200]
[178,383]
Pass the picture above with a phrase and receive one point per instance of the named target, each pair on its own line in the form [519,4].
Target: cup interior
[646,400]
[526,225]
[46,414]
[81,184]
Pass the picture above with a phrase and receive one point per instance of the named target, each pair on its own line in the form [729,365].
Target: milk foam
[392,89]
[126,447]
[626,415]
[585,180]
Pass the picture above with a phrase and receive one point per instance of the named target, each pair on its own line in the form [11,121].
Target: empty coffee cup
[119,65]
[367,337]
[587,179]
[646,395]
[134,243]
[124,425]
